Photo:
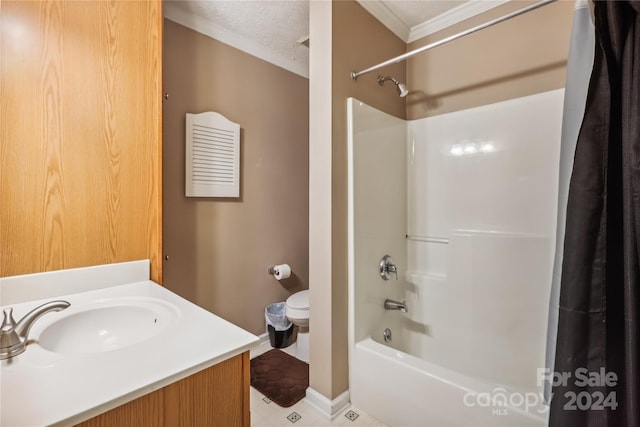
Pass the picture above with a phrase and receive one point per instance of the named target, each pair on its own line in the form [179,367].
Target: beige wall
[357,40]
[219,249]
[80,165]
[518,57]
[320,285]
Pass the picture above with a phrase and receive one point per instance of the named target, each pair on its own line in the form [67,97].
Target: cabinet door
[80,107]
[216,397]
[145,411]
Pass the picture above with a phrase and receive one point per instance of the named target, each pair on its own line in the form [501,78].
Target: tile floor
[265,413]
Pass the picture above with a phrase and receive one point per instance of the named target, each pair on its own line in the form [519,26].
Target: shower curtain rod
[355,75]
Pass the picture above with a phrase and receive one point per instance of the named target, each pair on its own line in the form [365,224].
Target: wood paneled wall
[80,154]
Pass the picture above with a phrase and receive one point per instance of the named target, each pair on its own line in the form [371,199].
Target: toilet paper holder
[280,271]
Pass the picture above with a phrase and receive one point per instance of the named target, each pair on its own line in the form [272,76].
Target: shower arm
[400,58]
[382,79]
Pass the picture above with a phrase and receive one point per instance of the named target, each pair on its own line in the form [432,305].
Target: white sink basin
[107,325]
[123,332]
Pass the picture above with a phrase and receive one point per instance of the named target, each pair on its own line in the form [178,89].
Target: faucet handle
[8,335]
[8,322]
[391,268]
[387,267]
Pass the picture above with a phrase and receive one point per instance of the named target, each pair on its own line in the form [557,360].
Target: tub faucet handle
[387,267]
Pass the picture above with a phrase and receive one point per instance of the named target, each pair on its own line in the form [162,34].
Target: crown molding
[452,17]
[389,19]
[398,27]
[233,39]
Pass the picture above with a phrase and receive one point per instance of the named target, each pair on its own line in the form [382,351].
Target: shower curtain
[596,379]
[579,65]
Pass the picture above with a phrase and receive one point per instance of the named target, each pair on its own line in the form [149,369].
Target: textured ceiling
[272,29]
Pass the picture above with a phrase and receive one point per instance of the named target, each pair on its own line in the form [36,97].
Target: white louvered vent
[212,156]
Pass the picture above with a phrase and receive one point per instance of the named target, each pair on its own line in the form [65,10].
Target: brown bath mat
[280,377]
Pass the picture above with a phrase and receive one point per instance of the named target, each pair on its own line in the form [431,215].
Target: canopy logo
[500,401]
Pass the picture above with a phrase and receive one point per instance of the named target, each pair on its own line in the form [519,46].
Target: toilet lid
[299,300]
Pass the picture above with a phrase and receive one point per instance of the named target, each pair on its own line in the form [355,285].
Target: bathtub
[402,390]
[472,236]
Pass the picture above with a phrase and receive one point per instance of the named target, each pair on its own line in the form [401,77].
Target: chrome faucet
[387,268]
[14,336]
[390,304]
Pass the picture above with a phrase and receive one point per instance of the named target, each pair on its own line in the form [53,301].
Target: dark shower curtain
[597,364]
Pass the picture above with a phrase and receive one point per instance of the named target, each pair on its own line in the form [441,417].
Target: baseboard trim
[327,408]
[263,338]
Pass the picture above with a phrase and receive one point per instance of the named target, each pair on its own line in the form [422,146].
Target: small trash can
[279,326]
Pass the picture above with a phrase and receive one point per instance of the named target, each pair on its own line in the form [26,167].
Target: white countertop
[41,387]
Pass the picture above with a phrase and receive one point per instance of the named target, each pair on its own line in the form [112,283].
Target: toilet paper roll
[282,271]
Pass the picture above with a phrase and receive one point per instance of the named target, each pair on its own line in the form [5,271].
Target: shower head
[400,87]
[402,90]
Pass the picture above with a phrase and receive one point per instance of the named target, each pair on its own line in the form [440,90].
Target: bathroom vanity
[216,396]
[125,352]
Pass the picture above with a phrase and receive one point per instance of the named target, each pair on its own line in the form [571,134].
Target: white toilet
[298,312]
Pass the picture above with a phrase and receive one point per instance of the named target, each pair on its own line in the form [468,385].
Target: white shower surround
[465,203]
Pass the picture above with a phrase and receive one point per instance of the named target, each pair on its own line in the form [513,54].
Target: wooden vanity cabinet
[214,397]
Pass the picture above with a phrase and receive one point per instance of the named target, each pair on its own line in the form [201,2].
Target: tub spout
[14,336]
[390,304]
